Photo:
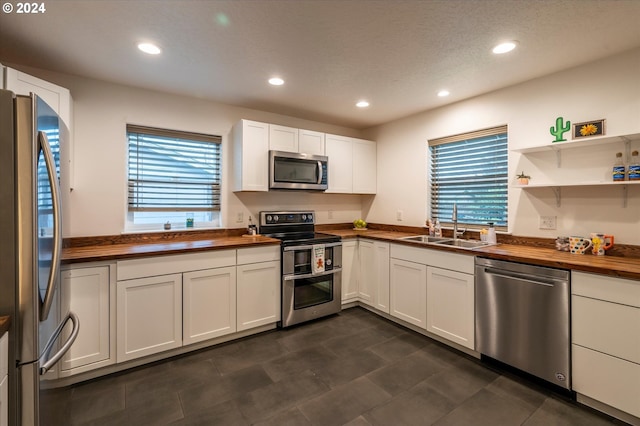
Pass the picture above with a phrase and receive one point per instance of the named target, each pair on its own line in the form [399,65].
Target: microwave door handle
[57,240]
[319,172]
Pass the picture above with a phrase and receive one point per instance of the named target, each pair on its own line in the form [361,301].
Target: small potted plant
[523,179]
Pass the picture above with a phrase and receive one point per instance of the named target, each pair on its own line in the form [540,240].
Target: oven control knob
[310,217]
[275,218]
[328,262]
[269,218]
[304,217]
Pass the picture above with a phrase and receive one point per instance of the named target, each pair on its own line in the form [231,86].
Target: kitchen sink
[450,242]
[427,239]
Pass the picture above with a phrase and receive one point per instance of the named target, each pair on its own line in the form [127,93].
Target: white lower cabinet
[4,380]
[258,287]
[149,318]
[450,305]
[373,280]
[258,294]
[89,292]
[209,304]
[350,270]
[605,335]
[408,292]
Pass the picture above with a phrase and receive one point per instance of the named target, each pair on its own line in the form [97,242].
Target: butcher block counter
[624,263]
[92,249]
[535,251]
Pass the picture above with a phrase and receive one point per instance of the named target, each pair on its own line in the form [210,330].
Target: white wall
[97,204]
[607,89]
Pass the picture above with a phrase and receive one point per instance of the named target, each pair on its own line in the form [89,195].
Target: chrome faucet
[454,219]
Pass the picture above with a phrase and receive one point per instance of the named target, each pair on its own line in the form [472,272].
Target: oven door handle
[300,277]
[310,246]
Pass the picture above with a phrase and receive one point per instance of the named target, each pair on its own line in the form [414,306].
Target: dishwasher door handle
[535,279]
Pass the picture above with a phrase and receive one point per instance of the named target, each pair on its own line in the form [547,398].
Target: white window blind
[173,171]
[471,171]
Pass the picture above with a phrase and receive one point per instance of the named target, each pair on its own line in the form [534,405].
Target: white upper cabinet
[310,142]
[339,149]
[283,138]
[352,165]
[55,96]
[250,156]
[364,167]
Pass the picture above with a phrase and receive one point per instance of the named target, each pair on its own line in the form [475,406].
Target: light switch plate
[547,222]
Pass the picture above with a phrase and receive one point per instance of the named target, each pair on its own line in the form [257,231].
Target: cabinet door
[251,156]
[310,142]
[339,149]
[367,281]
[283,138]
[89,294]
[350,271]
[364,167]
[4,380]
[450,305]
[258,294]
[149,316]
[408,292]
[55,96]
[381,267]
[209,304]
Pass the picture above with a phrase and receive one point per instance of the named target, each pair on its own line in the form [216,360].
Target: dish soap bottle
[437,230]
[618,168]
[634,167]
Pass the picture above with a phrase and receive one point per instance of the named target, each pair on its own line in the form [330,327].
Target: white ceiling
[395,53]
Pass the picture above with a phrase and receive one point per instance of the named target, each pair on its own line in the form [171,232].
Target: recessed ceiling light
[362,104]
[504,47]
[149,48]
[276,81]
[443,93]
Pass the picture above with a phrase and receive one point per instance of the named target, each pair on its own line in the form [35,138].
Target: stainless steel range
[311,266]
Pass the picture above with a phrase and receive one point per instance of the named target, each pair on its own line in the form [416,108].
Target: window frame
[215,212]
[445,219]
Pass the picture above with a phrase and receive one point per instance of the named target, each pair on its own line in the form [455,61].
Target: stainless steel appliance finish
[309,290]
[522,318]
[30,248]
[292,170]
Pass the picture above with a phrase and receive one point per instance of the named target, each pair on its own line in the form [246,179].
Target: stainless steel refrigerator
[31,134]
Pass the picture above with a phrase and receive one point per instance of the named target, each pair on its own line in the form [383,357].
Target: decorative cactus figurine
[560,130]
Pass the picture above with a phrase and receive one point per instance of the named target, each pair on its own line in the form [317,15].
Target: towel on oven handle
[318,258]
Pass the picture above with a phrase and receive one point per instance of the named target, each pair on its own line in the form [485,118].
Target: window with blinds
[172,174]
[471,171]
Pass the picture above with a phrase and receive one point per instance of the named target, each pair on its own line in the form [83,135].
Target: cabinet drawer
[258,254]
[618,290]
[452,261]
[606,327]
[164,265]
[607,379]
[411,254]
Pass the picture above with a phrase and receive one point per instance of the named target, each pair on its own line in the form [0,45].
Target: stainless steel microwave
[291,170]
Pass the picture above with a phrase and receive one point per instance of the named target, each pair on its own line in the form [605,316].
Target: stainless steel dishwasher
[522,318]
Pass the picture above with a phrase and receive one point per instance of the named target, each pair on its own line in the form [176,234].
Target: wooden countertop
[5,322]
[131,250]
[516,250]
[625,267]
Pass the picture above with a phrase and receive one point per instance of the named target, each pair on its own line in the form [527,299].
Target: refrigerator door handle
[66,345]
[57,237]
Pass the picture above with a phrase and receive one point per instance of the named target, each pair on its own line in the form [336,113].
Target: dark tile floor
[354,368]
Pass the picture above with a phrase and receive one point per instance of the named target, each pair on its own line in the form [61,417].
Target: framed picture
[588,128]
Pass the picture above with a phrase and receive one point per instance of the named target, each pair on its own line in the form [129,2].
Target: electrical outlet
[547,222]
[239,217]
[399,215]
